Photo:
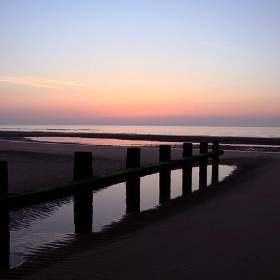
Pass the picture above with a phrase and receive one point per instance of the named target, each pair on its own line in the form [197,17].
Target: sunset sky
[196,62]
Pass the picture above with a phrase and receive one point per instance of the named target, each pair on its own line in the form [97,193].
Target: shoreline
[35,164]
[9,135]
[246,144]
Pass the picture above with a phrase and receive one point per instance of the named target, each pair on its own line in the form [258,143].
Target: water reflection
[56,221]
[164,185]
[83,212]
[133,194]
[38,225]
[100,141]
[149,196]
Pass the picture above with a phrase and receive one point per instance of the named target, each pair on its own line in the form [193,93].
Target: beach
[229,233]
[139,140]
[33,164]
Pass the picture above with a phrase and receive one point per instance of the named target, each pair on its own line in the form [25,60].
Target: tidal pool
[33,227]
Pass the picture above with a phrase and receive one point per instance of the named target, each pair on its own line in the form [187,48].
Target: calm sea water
[271,132]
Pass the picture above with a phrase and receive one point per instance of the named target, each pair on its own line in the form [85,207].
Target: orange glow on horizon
[71,100]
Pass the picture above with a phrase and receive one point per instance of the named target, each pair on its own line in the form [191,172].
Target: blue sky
[104,61]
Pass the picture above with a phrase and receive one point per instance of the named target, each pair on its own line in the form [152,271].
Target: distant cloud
[39,82]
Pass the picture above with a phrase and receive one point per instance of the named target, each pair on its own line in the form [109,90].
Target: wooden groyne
[83,178]
[84,183]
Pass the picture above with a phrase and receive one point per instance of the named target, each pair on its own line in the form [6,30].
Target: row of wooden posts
[83,199]
[83,165]
[83,170]
[83,162]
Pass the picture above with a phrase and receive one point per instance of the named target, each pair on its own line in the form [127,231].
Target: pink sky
[127,61]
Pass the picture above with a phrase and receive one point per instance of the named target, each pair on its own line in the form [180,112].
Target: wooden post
[164,174]
[164,153]
[4,220]
[4,240]
[4,186]
[203,166]
[83,199]
[82,165]
[133,159]
[215,162]
[187,169]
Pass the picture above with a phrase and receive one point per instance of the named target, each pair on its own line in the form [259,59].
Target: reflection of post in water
[84,198]
[4,220]
[164,174]
[164,185]
[187,169]
[83,212]
[133,182]
[133,194]
[4,240]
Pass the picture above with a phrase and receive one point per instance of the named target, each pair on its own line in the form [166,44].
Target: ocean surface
[262,132]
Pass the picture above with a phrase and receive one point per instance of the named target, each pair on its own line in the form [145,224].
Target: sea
[267,132]
[219,131]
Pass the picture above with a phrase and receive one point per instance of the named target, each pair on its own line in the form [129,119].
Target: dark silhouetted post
[4,186]
[133,157]
[164,174]
[133,182]
[203,166]
[83,199]
[187,169]
[4,240]
[82,165]
[164,153]
[4,220]
[215,162]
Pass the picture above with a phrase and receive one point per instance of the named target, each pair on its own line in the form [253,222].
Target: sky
[173,62]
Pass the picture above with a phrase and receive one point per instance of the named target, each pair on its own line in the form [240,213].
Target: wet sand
[231,232]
